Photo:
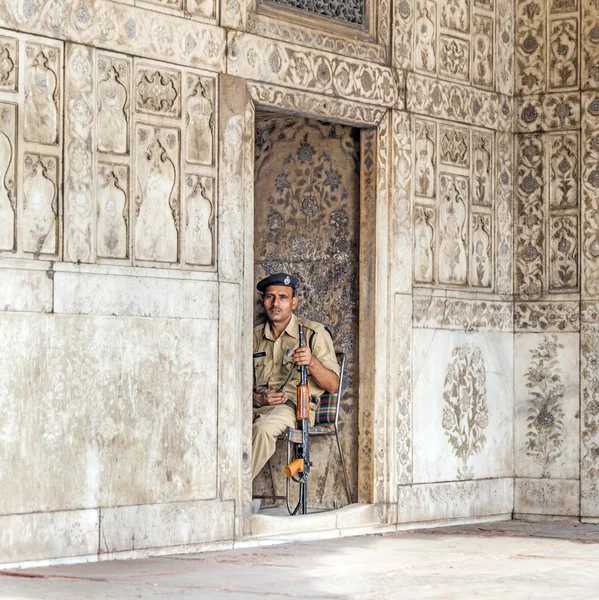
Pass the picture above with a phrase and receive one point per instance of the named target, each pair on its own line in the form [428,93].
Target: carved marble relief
[563,59]
[31,145]
[9,64]
[199,121]
[486,4]
[157,91]
[455,146]
[531,43]
[403,34]
[482,251]
[563,254]
[530,240]
[504,208]
[113,105]
[504,47]
[590,192]
[112,216]
[453,228]
[425,38]
[8,171]
[455,14]
[79,154]
[424,244]
[205,8]
[425,163]
[589,427]
[563,171]
[156,195]
[454,58]
[199,220]
[39,221]
[482,51]
[590,45]
[561,6]
[545,428]
[465,410]
[41,106]
[482,168]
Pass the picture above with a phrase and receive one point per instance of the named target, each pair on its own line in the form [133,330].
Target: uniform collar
[292,329]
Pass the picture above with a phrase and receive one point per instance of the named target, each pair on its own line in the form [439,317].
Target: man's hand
[302,356]
[269,398]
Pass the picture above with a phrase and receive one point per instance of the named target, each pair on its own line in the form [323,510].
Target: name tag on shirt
[259,354]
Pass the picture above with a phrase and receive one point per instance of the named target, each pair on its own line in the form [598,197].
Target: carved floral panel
[424,244]
[590,45]
[41,106]
[482,251]
[482,168]
[157,91]
[199,119]
[530,46]
[199,220]
[9,64]
[564,170]
[112,218]
[39,220]
[482,51]
[590,192]
[425,38]
[455,14]
[157,193]
[454,58]
[530,214]
[113,85]
[563,59]
[8,172]
[455,146]
[425,174]
[453,228]
[563,253]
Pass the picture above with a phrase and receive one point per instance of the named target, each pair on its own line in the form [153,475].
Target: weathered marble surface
[555,497]
[455,500]
[462,406]
[119,410]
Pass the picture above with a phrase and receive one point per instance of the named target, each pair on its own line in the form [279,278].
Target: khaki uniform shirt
[273,358]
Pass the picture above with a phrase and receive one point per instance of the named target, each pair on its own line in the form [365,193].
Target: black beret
[278,279]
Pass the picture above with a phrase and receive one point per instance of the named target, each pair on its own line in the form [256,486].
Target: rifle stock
[301,451]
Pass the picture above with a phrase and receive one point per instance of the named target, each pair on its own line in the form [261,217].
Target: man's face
[279,303]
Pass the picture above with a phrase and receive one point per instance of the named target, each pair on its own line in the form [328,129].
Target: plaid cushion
[327,409]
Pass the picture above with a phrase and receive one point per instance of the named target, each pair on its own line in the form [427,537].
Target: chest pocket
[259,367]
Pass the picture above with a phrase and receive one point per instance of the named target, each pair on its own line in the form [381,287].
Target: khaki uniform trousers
[269,423]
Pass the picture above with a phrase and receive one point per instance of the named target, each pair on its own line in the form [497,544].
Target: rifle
[300,465]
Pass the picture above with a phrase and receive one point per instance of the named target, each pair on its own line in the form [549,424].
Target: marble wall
[127,136]
[555,265]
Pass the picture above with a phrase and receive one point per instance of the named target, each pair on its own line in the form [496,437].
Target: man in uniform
[276,357]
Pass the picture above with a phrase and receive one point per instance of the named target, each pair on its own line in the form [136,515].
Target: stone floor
[506,560]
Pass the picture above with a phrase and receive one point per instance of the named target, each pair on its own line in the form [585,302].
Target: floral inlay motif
[465,414]
[545,419]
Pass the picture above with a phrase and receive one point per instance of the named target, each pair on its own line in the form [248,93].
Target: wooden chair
[326,423]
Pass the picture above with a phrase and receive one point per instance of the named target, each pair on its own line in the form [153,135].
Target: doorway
[307,222]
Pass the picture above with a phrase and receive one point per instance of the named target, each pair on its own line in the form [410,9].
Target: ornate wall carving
[590,193]
[293,66]
[454,208]
[306,222]
[31,142]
